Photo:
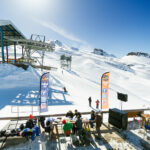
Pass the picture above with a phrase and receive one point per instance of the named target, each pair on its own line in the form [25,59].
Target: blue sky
[117,26]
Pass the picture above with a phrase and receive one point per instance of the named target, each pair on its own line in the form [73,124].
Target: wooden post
[57,133]
[39,125]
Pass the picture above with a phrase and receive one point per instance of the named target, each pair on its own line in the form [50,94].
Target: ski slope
[20,89]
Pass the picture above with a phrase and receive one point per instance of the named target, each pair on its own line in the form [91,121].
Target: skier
[65,90]
[90,101]
[97,104]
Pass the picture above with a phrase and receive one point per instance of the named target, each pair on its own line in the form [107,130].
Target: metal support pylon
[2,44]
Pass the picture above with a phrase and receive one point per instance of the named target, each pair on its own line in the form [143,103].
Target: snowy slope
[87,69]
[129,75]
[19,91]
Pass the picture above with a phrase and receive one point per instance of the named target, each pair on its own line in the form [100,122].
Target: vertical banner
[44,87]
[104,90]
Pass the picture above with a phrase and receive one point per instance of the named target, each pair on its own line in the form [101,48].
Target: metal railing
[64,114]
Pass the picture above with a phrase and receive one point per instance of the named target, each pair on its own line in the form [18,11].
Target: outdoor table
[86,123]
[55,125]
[145,119]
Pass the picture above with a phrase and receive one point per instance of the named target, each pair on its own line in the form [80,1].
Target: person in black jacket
[98,121]
[76,113]
[69,114]
[30,123]
[92,118]
[78,125]
[90,101]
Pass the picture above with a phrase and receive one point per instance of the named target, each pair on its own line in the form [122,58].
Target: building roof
[9,31]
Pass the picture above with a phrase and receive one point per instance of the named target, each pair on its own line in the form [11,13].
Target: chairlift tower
[36,44]
[39,46]
[65,61]
[10,35]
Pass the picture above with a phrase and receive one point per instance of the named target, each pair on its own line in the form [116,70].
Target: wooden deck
[63,143]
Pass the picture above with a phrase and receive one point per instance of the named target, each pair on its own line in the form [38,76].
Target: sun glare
[33,5]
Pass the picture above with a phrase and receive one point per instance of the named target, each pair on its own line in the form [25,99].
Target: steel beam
[7,52]
[15,51]
[2,45]
[22,53]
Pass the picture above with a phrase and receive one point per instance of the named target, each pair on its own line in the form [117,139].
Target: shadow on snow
[30,96]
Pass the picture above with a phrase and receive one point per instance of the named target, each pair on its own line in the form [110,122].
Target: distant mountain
[102,52]
[59,45]
[138,54]
[74,48]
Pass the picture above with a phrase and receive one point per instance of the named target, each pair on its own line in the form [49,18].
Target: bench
[134,114]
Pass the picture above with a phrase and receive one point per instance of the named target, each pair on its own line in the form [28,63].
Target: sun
[33,5]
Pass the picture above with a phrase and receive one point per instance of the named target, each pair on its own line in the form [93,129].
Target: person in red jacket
[97,104]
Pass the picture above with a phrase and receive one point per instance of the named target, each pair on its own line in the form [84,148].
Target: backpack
[29,124]
[21,127]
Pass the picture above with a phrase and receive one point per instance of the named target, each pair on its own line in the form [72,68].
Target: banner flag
[104,90]
[44,87]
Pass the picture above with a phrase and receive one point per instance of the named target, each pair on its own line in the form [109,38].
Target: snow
[20,89]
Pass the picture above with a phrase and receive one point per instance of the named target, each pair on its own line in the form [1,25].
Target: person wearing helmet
[29,123]
[30,130]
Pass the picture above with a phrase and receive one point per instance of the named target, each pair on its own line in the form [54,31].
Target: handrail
[58,115]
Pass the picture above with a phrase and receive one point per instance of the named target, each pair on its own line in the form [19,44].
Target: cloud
[60,31]
[83,45]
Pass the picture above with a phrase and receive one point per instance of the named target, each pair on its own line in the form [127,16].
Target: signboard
[104,90]
[44,87]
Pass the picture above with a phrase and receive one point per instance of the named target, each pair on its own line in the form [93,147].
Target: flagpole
[101,92]
[39,105]
[102,86]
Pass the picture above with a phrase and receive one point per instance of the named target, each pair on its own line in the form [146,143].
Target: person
[83,137]
[30,129]
[90,101]
[42,120]
[49,126]
[27,133]
[76,113]
[69,114]
[78,125]
[92,119]
[29,123]
[97,104]
[98,121]
[65,90]
[67,127]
